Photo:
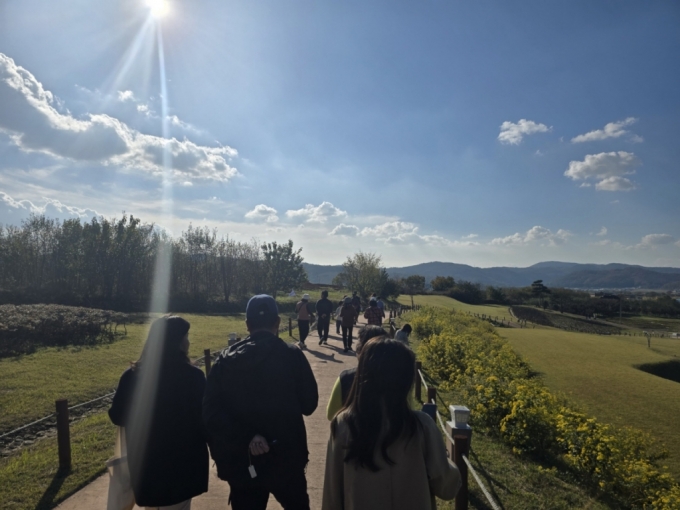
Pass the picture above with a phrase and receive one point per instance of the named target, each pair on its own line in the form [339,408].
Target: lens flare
[158,8]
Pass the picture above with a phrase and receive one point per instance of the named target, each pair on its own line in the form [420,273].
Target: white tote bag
[121,496]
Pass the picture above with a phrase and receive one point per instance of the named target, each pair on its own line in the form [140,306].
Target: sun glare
[158,8]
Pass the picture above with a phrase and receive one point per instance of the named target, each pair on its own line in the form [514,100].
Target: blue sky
[488,133]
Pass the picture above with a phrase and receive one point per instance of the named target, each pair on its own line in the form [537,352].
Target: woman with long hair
[159,404]
[381,454]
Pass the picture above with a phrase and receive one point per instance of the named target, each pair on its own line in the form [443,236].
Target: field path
[327,362]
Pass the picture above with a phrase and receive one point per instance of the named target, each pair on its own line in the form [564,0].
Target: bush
[468,357]
[23,328]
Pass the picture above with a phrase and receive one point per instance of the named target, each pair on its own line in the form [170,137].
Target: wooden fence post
[63,435]
[418,382]
[208,362]
[461,446]
[290,326]
[432,395]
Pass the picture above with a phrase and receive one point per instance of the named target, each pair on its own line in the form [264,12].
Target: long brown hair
[378,399]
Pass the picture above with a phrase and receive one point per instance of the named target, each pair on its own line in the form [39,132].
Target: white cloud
[29,117]
[536,233]
[263,213]
[608,168]
[401,232]
[611,130]
[13,211]
[345,230]
[615,183]
[320,213]
[512,133]
[657,240]
[125,95]
[470,236]
[602,232]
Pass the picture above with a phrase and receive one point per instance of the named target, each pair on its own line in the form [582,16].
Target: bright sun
[158,8]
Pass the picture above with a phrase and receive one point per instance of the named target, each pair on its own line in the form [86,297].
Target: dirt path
[327,362]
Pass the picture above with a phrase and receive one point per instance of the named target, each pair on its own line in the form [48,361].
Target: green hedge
[468,357]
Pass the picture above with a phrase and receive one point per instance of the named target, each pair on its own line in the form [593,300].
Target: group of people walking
[248,416]
[346,316]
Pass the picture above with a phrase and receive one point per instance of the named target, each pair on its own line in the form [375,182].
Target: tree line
[109,263]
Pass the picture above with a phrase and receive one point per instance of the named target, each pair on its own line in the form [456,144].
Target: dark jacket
[168,459]
[264,386]
[348,314]
[324,306]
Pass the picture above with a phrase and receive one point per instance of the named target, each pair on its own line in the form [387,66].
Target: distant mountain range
[556,274]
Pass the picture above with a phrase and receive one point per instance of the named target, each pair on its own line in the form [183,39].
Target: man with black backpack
[256,395]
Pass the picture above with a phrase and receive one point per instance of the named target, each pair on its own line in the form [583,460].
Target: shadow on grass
[491,483]
[47,500]
[666,369]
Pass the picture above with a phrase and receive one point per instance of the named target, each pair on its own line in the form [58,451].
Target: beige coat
[421,471]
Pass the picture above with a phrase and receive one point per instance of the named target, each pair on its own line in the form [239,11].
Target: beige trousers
[184,505]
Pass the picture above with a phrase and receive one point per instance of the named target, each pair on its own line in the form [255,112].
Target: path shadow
[50,494]
[323,356]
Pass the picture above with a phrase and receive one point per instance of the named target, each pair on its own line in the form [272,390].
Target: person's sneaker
[345,349]
[301,344]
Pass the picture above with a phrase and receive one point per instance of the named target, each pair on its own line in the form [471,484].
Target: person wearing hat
[349,316]
[255,398]
[374,315]
[324,310]
[305,314]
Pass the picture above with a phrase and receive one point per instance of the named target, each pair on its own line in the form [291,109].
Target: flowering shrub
[23,328]
[468,357]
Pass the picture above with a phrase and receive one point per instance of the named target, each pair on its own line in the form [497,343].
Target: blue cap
[261,307]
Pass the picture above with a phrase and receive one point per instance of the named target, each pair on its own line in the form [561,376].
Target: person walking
[324,310]
[356,303]
[381,454]
[305,315]
[402,334]
[158,403]
[381,304]
[373,314]
[349,316]
[338,318]
[340,390]
[257,394]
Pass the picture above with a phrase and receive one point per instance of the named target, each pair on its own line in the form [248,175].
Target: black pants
[303,326]
[322,326]
[347,336]
[337,327]
[289,489]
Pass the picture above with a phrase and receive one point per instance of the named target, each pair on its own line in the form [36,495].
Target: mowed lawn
[599,374]
[30,384]
[500,311]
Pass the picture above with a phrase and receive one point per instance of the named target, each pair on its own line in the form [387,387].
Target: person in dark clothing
[158,402]
[324,310]
[256,396]
[343,384]
[349,317]
[356,303]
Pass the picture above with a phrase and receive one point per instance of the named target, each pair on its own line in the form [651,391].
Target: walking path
[327,362]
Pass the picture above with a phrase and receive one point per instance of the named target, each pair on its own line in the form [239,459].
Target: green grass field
[500,311]
[598,373]
[30,384]
[30,480]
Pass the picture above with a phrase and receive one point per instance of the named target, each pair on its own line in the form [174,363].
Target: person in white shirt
[402,334]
